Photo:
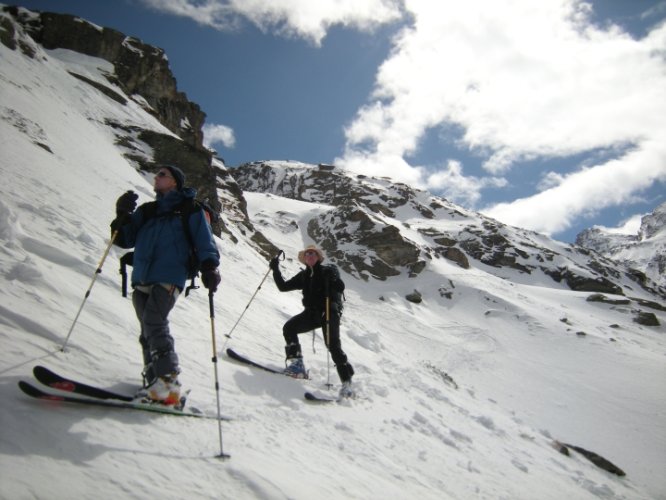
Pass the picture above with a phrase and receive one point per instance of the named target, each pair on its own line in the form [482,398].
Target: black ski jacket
[316,284]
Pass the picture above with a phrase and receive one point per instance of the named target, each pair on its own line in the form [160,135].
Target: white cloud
[524,80]
[214,134]
[630,226]
[550,180]
[382,165]
[595,188]
[458,188]
[307,19]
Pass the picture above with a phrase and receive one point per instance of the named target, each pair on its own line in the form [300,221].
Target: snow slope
[524,377]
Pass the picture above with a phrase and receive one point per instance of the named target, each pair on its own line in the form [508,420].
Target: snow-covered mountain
[377,228]
[476,346]
[645,250]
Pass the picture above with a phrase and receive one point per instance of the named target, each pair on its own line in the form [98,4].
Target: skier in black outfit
[318,283]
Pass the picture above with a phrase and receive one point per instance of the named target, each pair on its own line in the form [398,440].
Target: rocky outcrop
[593,457]
[141,75]
[364,245]
[139,68]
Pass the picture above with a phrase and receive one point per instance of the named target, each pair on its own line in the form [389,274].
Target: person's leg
[139,300]
[344,368]
[156,340]
[300,323]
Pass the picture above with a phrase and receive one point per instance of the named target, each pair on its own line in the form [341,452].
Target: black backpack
[338,297]
[184,211]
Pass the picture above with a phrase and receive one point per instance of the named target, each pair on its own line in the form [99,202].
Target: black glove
[126,203]
[210,276]
[274,264]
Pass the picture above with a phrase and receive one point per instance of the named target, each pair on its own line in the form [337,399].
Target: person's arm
[204,241]
[127,220]
[206,250]
[295,283]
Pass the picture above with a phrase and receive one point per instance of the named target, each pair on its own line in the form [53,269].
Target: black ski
[34,392]
[318,398]
[313,398]
[52,379]
[242,359]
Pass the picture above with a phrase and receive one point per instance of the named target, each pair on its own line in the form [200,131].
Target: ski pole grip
[123,274]
[210,303]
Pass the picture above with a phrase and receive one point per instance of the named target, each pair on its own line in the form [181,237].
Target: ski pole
[222,455]
[92,282]
[328,333]
[228,335]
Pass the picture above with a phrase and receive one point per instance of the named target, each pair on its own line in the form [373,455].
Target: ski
[242,359]
[317,398]
[313,398]
[37,393]
[52,379]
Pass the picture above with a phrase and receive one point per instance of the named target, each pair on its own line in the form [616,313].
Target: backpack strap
[185,210]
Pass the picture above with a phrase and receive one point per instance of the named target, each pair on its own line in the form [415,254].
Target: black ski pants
[310,319]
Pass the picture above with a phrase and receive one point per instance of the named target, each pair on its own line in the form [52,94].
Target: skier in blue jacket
[161,263]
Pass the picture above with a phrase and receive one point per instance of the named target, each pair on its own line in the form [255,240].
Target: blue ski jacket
[161,248]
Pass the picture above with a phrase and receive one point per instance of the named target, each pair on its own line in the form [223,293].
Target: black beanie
[177,174]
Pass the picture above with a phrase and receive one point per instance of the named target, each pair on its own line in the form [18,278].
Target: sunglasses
[311,252]
[164,174]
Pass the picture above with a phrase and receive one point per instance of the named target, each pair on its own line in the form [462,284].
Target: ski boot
[165,391]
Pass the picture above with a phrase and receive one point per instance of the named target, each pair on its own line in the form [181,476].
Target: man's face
[164,181]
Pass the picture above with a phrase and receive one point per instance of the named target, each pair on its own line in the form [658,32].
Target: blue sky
[547,115]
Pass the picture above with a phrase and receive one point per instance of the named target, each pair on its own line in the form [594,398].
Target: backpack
[184,211]
[337,296]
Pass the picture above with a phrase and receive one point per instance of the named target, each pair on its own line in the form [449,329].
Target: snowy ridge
[526,374]
[376,229]
[644,250]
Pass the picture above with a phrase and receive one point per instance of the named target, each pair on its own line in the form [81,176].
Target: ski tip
[27,388]
[40,369]
[32,391]
[319,399]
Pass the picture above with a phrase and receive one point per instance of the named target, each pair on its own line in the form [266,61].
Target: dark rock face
[646,319]
[581,283]
[139,68]
[593,457]
[382,247]
[356,232]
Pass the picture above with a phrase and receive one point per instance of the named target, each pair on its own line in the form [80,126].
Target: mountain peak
[644,251]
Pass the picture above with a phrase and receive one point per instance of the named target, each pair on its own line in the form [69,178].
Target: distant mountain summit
[645,251]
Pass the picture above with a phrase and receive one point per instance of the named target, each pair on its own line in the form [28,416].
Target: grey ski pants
[152,306]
